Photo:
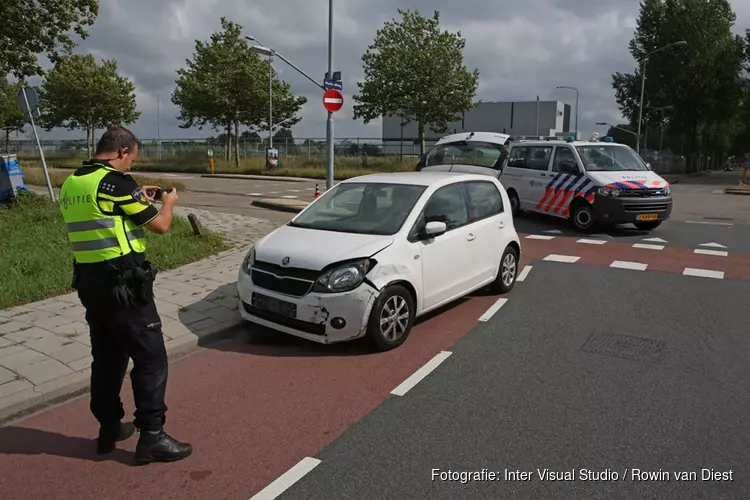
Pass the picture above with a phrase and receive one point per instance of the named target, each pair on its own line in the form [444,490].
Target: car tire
[582,217]
[515,203]
[648,226]
[392,299]
[507,271]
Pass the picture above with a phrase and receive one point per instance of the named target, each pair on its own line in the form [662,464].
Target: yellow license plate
[647,216]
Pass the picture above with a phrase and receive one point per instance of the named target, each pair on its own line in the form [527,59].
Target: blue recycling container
[11,178]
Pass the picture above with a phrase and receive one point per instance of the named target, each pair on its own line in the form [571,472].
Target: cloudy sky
[522,49]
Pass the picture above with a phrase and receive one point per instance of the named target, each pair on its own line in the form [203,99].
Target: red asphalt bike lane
[252,409]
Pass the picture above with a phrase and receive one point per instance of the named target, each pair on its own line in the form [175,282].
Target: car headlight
[611,192]
[248,261]
[343,278]
[667,191]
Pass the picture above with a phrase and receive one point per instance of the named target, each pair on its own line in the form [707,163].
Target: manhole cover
[625,346]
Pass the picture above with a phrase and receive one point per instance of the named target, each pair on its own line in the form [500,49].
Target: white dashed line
[290,196]
[648,247]
[255,194]
[274,192]
[493,309]
[524,273]
[562,258]
[709,223]
[591,242]
[635,266]
[712,245]
[703,273]
[540,237]
[655,240]
[296,190]
[287,479]
[420,374]
[703,251]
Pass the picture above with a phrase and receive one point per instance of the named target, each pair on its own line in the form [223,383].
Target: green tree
[415,71]
[742,141]
[702,80]
[33,27]
[12,117]
[78,93]
[225,85]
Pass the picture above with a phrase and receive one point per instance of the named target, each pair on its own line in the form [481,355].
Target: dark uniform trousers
[119,333]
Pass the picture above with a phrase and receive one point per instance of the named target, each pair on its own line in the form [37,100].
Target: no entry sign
[333,100]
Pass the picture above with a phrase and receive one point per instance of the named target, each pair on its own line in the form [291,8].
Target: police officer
[106,211]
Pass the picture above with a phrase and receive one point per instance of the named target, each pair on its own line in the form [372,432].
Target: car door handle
[471,237]
[501,225]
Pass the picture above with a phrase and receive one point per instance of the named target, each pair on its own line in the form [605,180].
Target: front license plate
[647,217]
[273,305]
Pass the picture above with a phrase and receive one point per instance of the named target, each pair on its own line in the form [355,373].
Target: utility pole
[537,116]
[158,127]
[329,120]
[270,101]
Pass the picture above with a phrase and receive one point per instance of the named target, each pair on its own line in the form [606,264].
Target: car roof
[491,137]
[419,178]
[560,143]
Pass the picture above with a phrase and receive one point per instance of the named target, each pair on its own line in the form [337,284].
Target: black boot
[158,446]
[111,434]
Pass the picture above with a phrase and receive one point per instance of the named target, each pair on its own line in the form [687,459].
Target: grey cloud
[522,49]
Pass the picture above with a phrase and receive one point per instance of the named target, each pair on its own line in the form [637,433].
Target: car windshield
[482,154]
[603,158]
[362,208]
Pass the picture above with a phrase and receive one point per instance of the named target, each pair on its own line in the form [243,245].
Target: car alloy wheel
[394,318]
[508,269]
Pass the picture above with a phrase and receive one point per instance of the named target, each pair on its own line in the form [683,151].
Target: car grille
[291,281]
[642,193]
[645,207]
[303,326]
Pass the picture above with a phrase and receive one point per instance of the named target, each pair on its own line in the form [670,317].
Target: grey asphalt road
[621,371]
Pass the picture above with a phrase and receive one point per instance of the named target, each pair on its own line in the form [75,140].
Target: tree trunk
[7,140]
[89,135]
[421,140]
[236,144]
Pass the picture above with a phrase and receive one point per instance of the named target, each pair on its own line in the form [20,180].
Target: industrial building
[523,118]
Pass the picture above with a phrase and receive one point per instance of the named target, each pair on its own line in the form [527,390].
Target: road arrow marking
[656,240]
[712,245]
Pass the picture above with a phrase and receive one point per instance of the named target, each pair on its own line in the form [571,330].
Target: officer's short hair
[115,138]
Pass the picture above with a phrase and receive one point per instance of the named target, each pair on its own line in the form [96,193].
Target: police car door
[565,180]
[533,164]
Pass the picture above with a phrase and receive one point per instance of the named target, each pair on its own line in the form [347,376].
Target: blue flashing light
[570,138]
[609,139]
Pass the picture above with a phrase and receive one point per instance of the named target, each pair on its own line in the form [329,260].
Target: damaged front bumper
[321,317]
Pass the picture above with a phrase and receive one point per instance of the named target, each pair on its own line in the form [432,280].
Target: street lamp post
[329,119]
[270,91]
[643,85]
[576,90]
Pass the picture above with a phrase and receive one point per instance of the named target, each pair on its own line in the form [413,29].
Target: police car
[591,183]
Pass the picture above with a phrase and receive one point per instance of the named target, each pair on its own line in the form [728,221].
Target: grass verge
[34,176]
[36,257]
[345,167]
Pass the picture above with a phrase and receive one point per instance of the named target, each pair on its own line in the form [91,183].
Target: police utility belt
[129,286]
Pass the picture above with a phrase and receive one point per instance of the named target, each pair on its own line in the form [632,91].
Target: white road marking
[562,258]
[717,191]
[274,192]
[287,479]
[709,223]
[553,231]
[718,253]
[703,273]
[290,196]
[591,242]
[635,266]
[648,247]
[493,309]
[655,240]
[524,273]
[296,190]
[255,194]
[418,375]
[712,245]
[540,237]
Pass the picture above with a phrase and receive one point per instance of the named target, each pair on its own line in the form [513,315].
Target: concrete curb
[261,177]
[24,403]
[744,191]
[278,206]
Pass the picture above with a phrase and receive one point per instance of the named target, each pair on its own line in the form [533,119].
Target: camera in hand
[159,192]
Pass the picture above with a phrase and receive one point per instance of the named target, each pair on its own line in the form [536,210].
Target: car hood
[313,249]
[629,180]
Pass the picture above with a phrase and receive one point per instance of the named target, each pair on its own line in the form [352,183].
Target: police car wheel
[515,203]
[648,226]
[582,217]
[391,318]
[507,271]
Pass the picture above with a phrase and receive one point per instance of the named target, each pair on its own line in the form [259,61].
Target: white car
[377,251]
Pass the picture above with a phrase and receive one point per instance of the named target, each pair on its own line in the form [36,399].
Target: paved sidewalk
[45,346]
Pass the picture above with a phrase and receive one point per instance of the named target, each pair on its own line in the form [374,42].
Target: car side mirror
[648,165]
[435,228]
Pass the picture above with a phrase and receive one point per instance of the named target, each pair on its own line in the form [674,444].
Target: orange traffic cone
[317,191]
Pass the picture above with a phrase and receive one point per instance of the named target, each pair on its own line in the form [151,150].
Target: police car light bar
[609,139]
[570,138]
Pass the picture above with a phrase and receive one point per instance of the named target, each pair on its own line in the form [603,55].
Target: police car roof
[561,142]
